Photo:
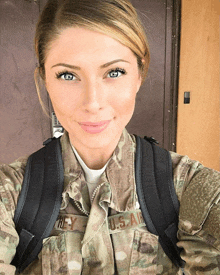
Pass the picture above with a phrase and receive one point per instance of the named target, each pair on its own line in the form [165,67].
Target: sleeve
[8,242]
[10,186]
[199,223]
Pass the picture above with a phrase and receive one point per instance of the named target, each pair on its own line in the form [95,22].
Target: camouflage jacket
[108,236]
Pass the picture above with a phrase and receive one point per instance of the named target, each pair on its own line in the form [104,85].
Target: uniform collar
[119,174]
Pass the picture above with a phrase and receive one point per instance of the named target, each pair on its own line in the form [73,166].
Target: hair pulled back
[115,18]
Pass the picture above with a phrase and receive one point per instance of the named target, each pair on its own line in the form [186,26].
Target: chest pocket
[134,247]
[144,253]
[61,254]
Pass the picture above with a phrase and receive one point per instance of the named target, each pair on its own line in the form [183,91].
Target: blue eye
[65,76]
[116,73]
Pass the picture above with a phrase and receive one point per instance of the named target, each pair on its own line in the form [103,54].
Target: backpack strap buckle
[152,140]
[48,141]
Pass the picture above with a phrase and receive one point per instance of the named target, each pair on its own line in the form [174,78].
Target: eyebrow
[78,68]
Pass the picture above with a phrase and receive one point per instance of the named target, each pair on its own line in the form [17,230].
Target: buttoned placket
[97,245]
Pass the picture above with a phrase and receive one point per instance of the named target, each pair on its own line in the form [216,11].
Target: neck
[95,158]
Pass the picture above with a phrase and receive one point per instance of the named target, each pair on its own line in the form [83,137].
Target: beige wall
[198,126]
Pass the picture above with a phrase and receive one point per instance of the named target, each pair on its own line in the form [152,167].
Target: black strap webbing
[157,196]
[39,202]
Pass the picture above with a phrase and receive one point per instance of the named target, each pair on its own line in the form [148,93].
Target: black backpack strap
[157,197]
[39,201]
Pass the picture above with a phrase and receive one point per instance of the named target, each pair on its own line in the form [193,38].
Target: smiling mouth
[94,127]
[94,124]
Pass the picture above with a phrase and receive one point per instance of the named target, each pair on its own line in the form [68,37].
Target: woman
[93,57]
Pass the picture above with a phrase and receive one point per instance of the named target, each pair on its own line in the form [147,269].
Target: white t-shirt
[92,176]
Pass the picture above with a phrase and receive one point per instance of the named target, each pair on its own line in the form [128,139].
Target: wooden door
[198,134]
[23,124]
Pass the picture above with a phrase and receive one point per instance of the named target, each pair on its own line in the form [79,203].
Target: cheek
[63,100]
[124,99]
[127,90]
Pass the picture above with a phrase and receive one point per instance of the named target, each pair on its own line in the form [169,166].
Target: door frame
[173,23]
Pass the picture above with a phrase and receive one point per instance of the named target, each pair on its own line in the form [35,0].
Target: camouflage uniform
[86,241]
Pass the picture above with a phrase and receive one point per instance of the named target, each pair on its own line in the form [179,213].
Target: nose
[93,97]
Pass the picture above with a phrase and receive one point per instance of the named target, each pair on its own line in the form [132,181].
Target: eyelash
[122,71]
[60,74]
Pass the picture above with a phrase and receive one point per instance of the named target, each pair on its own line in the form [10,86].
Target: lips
[94,123]
[94,127]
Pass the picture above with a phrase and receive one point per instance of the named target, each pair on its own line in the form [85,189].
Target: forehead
[81,43]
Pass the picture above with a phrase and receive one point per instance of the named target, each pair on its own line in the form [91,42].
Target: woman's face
[92,81]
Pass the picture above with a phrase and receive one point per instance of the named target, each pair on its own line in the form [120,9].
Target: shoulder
[199,196]
[11,178]
[184,169]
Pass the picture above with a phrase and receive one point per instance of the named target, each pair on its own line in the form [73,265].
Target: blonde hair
[115,18]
